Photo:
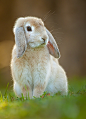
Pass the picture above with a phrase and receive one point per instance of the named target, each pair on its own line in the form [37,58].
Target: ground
[72,106]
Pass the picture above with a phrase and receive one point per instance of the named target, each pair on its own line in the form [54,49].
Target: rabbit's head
[31,31]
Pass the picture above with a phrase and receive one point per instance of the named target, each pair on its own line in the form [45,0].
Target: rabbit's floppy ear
[52,46]
[20,40]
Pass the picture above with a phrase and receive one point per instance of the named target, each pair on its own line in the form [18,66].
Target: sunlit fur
[36,71]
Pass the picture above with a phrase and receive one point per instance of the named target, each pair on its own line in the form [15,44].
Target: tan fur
[36,68]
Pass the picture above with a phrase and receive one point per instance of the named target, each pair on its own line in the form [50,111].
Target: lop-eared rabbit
[34,65]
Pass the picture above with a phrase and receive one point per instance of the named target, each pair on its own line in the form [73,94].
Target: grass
[72,106]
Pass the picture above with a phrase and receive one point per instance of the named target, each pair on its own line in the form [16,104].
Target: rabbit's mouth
[31,42]
[37,44]
[44,43]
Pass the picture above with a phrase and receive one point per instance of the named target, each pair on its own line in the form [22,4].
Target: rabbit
[34,64]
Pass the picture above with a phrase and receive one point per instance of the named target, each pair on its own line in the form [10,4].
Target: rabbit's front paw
[38,91]
[27,92]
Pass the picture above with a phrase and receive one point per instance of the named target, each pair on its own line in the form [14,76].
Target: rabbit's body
[37,71]
[31,69]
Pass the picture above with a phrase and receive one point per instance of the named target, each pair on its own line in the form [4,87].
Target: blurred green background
[66,19]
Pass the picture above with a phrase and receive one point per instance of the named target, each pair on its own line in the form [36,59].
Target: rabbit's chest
[31,68]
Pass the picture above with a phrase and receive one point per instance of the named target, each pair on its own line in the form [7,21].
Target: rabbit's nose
[44,39]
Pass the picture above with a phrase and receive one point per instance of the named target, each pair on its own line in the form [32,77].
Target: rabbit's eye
[29,28]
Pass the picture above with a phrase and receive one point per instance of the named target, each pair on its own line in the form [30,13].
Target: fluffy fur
[35,70]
